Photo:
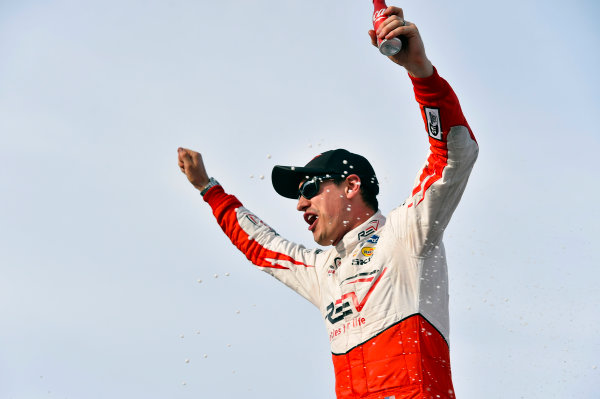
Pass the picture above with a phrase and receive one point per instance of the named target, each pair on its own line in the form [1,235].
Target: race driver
[382,285]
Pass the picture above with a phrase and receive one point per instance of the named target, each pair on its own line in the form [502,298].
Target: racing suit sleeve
[439,185]
[290,263]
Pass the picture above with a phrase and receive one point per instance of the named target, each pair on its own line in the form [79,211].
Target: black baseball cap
[336,163]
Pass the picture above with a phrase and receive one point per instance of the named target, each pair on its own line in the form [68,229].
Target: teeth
[311,219]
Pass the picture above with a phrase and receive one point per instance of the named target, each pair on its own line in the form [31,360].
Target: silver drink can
[390,47]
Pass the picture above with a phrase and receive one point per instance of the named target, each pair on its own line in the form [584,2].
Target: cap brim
[286,179]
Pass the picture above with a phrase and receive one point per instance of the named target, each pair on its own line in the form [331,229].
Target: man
[382,287]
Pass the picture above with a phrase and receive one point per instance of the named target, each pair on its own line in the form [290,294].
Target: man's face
[327,213]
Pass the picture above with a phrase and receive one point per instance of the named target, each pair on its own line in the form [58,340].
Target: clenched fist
[191,164]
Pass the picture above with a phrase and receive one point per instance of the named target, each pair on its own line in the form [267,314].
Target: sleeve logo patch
[434,125]
[256,221]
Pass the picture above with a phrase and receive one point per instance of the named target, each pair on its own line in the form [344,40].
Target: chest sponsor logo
[367,251]
[361,261]
[342,308]
[434,124]
[346,327]
[373,239]
[371,228]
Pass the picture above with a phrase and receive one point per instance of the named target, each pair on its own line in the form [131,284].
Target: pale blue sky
[103,240]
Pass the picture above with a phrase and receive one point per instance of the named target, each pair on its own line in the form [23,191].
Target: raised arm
[290,263]
[421,220]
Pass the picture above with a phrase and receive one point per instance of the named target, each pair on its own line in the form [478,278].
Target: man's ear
[352,186]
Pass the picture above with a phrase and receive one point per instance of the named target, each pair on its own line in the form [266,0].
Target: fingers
[391,10]
[392,27]
[180,159]
[188,159]
[183,159]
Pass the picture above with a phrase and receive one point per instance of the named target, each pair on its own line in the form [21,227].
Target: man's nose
[303,203]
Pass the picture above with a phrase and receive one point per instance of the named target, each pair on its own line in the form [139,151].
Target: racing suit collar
[360,233]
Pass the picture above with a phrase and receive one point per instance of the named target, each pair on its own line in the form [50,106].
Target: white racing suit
[383,289]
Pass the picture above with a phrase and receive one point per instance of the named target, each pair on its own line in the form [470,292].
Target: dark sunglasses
[310,188]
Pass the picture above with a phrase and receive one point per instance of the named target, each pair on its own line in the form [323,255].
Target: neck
[358,214]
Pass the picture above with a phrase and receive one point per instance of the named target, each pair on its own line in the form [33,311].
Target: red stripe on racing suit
[228,221]
[263,246]
[383,289]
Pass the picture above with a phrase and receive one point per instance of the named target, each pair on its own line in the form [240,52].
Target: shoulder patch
[434,124]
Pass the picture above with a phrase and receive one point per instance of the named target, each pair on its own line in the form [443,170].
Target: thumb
[373,37]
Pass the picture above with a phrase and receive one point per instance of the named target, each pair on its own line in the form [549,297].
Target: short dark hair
[366,193]
[369,197]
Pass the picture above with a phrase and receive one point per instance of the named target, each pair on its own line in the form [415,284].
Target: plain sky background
[103,241]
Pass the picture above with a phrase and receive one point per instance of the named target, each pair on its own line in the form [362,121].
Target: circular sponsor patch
[368,251]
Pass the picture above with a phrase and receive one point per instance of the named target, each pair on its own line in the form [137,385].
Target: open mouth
[311,219]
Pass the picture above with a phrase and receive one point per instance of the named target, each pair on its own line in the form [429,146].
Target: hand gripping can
[386,47]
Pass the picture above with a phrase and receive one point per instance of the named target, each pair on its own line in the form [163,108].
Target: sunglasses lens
[309,189]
